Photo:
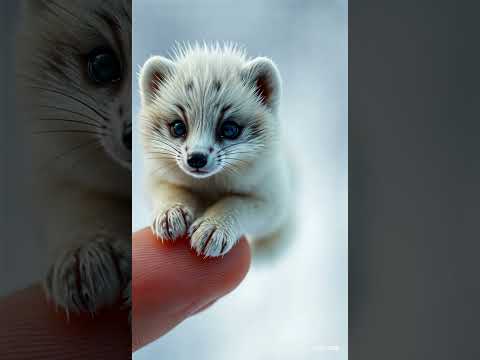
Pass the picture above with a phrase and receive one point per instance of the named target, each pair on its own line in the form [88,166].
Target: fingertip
[237,263]
[171,282]
[152,257]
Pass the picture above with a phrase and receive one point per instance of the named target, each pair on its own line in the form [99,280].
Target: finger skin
[33,329]
[170,282]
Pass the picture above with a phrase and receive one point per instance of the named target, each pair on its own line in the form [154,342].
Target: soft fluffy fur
[246,189]
[81,163]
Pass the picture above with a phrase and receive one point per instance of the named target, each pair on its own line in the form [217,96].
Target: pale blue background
[295,308]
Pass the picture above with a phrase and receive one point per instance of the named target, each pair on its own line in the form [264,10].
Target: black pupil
[230,130]
[178,129]
[103,66]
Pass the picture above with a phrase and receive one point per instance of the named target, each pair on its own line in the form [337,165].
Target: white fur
[247,192]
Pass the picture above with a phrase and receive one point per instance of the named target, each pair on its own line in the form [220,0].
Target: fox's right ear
[153,75]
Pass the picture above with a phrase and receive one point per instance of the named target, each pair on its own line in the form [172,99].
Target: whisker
[165,150]
[74,99]
[165,153]
[159,141]
[74,121]
[68,132]
[231,167]
[251,153]
[231,171]
[72,83]
[168,168]
[236,159]
[62,155]
[68,111]
[158,157]
[254,146]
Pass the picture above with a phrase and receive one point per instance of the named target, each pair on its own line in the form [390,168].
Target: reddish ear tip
[156,81]
[264,89]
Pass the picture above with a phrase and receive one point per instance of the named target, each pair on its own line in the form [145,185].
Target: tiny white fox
[217,168]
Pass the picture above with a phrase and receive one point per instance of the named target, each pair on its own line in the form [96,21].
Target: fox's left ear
[262,74]
[156,71]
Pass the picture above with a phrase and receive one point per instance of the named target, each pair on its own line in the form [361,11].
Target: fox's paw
[210,238]
[89,277]
[172,223]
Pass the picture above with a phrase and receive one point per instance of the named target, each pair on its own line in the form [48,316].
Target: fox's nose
[197,160]
[127,136]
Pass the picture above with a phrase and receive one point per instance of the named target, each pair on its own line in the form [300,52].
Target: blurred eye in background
[103,66]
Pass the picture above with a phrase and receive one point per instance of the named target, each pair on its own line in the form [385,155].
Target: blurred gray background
[296,306]
[22,259]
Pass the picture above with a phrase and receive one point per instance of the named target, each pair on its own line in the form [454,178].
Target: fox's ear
[155,72]
[262,74]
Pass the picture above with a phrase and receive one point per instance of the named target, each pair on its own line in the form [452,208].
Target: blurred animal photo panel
[68,182]
[239,180]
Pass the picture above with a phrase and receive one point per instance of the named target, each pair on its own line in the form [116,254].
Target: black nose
[197,160]
[127,136]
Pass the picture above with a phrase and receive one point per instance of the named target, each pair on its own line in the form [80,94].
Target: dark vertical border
[414,175]
[31,327]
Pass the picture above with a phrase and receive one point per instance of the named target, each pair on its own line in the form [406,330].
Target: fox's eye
[178,129]
[103,66]
[230,130]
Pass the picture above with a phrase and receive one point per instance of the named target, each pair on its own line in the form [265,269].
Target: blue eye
[230,130]
[178,129]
